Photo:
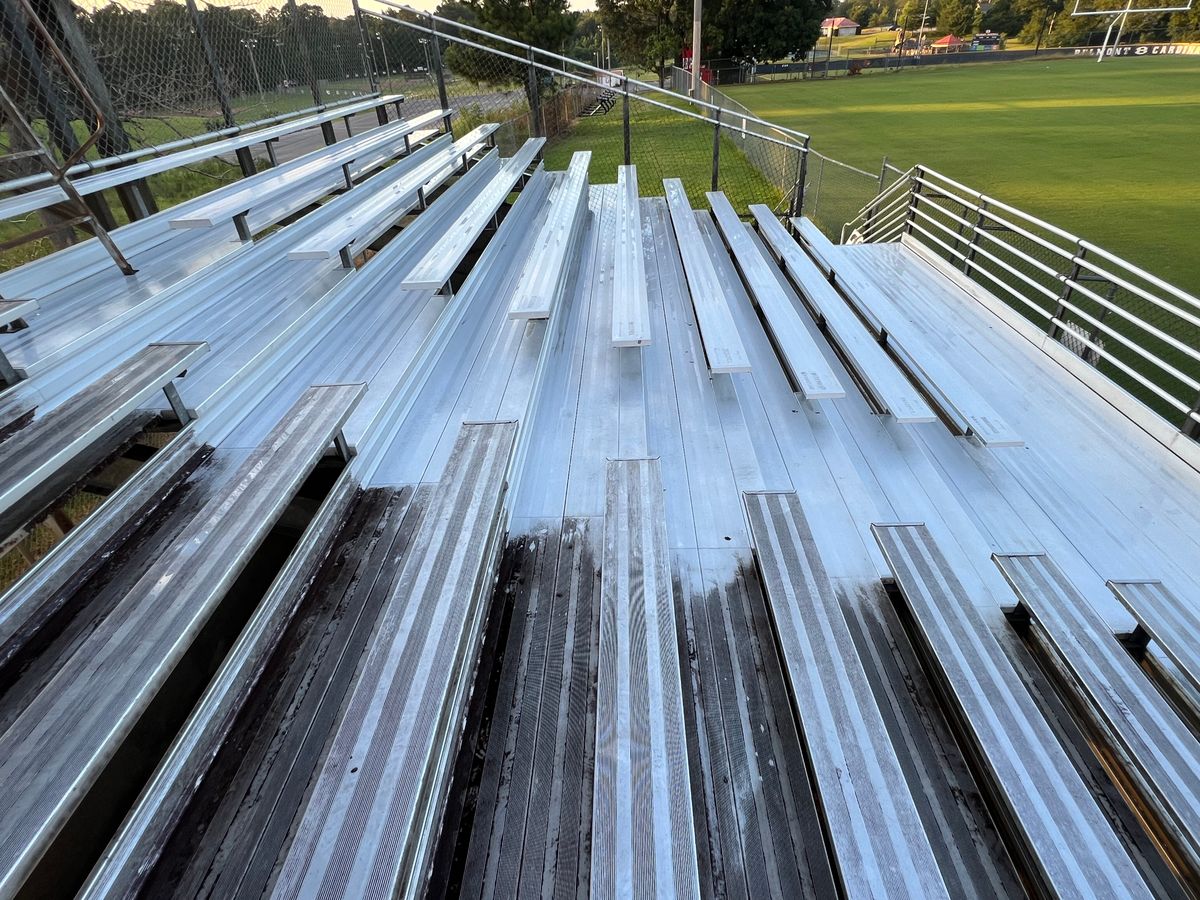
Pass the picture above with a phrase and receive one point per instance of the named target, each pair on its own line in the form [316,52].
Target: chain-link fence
[1141,332]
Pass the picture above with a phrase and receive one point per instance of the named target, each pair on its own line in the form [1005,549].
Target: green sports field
[1109,151]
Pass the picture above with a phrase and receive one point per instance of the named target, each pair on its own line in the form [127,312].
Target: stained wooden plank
[801,356]
[1065,841]
[878,840]
[718,332]
[1161,754]
[371,820]
[631,309]
[59,745]
[643,835]
[877,371]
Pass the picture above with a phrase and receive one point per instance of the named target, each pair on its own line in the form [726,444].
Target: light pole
[696,11]
[250,44]
[387,69]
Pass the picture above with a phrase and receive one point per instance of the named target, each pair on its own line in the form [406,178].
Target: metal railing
[1140,331]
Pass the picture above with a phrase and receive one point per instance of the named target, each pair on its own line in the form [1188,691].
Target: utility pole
[250,44]
[696,10]
[387,69]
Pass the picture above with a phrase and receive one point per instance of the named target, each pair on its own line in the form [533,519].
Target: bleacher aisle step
[1065,841]
[643,834]
[871,821]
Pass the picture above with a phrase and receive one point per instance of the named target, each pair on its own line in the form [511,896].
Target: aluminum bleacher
[521,531]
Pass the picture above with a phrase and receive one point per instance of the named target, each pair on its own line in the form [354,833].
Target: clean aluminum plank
[718,332]
[879,373]
[870,817]
[1068,844]
[1165,619]
[435,269]
[383,205]
[61,743]
[372,817]
[48,443]
[12,310]
[643,835]
[552,257]
[807,366]
[910,342]
[820,248]
[1162,756]
[631,304]
[298,173]
[21,204]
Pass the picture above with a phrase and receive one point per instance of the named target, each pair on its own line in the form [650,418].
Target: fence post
[439,72]
[716,154]
[968,263]
[535,101]
[802,173]
[1191,428]
[914,192]
[294,14]
[244,157]
[869,224]
[625,120]
[1054,329]
[381,110]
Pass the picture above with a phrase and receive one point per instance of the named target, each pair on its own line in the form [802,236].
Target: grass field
[1107,151]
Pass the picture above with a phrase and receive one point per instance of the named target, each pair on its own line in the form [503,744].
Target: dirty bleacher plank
[718,331]
[1159,752]
[631,304]
[1165,619]
[876,835]
[1061,835]
[806,365]
[40,449]
[61,743]
[643,835]
[371,820]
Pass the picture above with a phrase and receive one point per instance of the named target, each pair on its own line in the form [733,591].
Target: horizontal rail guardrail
[1111,312]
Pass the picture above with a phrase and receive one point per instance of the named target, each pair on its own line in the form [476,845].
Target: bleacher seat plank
[1166,620]
[805,364]
[872,824]
[372,817]
[890,388]
[295,175]
[643,834]
[1160,752]
[12,312]
[718,331]
[958,399]
[48,443]
[822,250]
[436,267]
[631,303]
[20,204]
[552,257]
[61,743]
[1068,844]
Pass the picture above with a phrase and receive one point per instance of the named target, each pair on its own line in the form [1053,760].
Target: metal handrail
[976,231]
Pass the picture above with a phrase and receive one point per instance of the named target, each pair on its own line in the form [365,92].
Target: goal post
[1121,15]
